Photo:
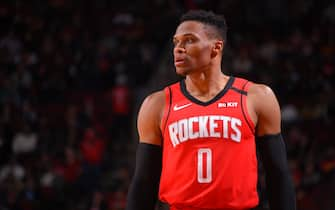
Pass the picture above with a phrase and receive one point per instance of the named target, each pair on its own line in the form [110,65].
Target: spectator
[92,148]
[25,142]
[12,169]
[120,102]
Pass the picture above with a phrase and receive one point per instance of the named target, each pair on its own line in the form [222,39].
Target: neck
[206,84]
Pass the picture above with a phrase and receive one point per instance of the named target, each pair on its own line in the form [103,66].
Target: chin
[181,71]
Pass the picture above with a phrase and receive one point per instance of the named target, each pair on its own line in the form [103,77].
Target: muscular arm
[143,191]
[272,149]
[149,118]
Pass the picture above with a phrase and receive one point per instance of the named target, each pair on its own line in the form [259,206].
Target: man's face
[192,48]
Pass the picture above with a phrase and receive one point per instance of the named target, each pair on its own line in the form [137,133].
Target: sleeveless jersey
[209,152]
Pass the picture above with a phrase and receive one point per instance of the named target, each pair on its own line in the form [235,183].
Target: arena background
[73,73]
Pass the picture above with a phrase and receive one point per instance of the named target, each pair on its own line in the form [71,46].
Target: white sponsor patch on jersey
[230,104]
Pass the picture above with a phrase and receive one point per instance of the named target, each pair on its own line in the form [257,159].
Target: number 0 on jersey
[204,165]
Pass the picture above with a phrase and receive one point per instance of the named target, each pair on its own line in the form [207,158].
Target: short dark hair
[209,18]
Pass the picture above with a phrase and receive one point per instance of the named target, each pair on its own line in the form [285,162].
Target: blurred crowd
[73,73]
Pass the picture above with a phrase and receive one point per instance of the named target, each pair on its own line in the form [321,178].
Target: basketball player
[198,137]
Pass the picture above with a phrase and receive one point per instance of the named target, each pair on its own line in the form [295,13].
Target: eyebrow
[187,34]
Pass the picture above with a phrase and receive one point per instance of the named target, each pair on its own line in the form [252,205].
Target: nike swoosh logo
[176,107]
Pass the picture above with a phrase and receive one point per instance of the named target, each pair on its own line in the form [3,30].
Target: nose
[179,49]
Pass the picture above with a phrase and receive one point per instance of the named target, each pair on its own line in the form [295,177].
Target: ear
[217,48]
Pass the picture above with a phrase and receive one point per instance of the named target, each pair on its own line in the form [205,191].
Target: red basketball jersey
[209,152]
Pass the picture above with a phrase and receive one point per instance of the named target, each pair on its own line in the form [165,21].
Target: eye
[189,40]
[175,42]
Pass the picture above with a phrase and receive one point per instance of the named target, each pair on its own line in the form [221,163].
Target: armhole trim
[167,109]
[239,91]
[245,112]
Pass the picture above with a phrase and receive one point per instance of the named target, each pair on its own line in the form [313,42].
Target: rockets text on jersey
[205,126]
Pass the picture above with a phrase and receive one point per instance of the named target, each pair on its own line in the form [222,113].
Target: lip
[179,61]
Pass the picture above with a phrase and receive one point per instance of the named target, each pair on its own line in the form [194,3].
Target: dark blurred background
[74,72]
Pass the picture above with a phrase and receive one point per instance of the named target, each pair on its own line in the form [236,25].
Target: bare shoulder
[261,94]
[260,89]
[266,107]
[149,118]
[155,98]
[153,104]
